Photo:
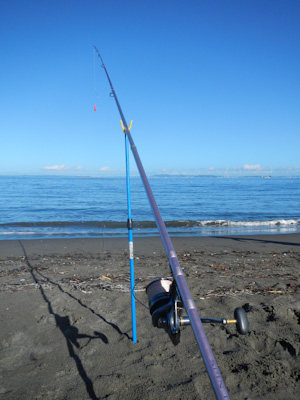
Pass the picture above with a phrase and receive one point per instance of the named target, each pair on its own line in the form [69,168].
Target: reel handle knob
[241,320]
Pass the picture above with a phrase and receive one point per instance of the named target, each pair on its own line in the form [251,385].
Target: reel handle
[241,321]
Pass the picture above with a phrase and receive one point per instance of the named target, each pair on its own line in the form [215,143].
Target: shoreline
[145,244]
[65,322]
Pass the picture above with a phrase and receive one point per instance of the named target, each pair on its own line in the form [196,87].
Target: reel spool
[166,308]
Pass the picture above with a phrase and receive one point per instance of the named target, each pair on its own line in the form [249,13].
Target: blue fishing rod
[168,298]
[130,238]
[126,130]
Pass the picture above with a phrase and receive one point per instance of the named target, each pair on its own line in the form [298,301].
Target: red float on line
[95,107]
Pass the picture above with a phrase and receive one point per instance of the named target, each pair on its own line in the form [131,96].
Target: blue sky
[211,86]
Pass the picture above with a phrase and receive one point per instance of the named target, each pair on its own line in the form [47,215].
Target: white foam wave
[17,233]
[229,223]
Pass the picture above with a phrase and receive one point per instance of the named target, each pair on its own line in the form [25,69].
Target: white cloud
[252,167]
[56,168]
[106,169]
[61,168]
[289,168]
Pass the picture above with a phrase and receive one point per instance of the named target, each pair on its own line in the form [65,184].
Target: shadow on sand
[256,240]
[69,331]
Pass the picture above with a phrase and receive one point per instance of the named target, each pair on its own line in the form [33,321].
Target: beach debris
[32,356]
[249,290]
[106,277]
[19,286]
[219,267]
[119,283]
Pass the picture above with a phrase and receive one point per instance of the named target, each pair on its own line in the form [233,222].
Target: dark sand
[65,319]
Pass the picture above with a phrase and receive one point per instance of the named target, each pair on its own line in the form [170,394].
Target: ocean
[42,207]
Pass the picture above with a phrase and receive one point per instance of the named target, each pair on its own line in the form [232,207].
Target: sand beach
[65,319]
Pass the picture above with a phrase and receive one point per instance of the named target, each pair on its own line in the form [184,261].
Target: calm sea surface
[34,207]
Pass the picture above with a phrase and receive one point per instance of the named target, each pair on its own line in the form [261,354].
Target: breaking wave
[65,229]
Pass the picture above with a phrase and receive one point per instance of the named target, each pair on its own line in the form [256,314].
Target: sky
[212,87]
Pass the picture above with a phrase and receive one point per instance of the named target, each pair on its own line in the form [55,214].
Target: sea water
[38,207]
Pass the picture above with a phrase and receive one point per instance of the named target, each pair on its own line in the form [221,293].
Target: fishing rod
[176,294]
[130,239]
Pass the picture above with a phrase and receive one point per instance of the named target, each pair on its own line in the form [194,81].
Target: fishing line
[95,91]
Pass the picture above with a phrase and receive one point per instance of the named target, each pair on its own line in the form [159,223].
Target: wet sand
[65,319]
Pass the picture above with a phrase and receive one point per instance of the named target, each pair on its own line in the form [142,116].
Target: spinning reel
[166,309]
